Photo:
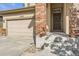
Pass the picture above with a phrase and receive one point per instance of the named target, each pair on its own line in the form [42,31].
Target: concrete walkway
[39,53]
[13,46]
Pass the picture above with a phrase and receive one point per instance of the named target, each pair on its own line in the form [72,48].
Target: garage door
[20,28]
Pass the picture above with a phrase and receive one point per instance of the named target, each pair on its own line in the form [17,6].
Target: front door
[57,22]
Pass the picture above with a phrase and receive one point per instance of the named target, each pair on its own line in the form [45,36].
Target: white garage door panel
[20,28]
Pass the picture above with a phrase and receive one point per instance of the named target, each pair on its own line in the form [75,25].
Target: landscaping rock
[62,45]
[58,39]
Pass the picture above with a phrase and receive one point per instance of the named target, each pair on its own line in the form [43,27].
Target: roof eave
[17,10]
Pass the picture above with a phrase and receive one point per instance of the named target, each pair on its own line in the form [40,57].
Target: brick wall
[40,19]
[74,21]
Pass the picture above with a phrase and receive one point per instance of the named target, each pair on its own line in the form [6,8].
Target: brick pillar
[40,17]
[74,20]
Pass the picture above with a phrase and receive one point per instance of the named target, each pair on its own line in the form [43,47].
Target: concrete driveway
[13,46]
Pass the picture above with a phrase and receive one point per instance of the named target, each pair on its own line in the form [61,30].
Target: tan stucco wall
[17,16]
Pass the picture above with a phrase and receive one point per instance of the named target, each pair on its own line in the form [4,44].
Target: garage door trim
[18,20]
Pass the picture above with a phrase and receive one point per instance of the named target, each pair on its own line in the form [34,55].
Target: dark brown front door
[57,22]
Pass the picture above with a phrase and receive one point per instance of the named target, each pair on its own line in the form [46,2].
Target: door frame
[62,17]
[65,17]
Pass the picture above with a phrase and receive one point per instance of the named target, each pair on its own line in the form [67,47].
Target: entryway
[56,17]
[57,23]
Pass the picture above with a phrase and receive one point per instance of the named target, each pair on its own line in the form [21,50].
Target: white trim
[67,24]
